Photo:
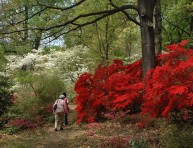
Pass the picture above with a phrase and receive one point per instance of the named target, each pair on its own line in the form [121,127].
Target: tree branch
[176,26]
[125,13]
[103,13]
[45,7]
[63,9]
[80,25]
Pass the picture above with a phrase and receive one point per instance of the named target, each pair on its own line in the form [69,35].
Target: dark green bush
[5,97]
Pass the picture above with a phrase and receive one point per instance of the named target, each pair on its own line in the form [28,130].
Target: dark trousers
[66,119]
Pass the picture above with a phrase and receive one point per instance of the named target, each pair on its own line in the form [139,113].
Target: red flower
[140,125]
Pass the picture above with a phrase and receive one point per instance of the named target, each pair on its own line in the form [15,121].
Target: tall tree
[158,28]
[64,21]
[146,9]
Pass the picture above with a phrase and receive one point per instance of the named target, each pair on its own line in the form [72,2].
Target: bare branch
[78,26]
[105,13]
[176,26]
[124,12]
[37,13]
[61,28]
[63,9]
[45,7]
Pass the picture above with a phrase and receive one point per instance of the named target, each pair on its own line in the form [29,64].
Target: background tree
[158,28]
[111,37]
[62,24]
[50,20]
[176,20]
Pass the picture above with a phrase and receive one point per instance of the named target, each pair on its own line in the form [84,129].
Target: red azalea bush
[112,88]
[118,87]
[170,89]
[83,99]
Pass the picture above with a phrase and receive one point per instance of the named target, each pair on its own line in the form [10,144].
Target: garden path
[79,136]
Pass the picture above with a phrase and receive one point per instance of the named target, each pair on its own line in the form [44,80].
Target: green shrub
[25,108]
[45,87]
[177,137]
[11,130]
[48,88]
[34,95]
[138,144]
[5,97]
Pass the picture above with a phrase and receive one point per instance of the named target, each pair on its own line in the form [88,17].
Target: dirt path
[47,137]
[63,138]
[80,136]
[60,139]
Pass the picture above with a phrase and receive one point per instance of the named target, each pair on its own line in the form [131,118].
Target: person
[61,109]
[66,114]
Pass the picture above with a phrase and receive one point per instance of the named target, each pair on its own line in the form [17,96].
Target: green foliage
[25,77]
[30,109]
[11,130]
[181,117]
[110,37]
[34,98]
[14,47]
[2,59]
[138,144]
[48,88]
[21,49]
[5,95]
[177,137]
[189,45]
[45,87]
[25,107]
[47,50]
[176,20]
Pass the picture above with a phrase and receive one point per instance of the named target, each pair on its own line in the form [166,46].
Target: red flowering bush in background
[170,88]
[15,121]
[22,124]
[112,88]
[118,87]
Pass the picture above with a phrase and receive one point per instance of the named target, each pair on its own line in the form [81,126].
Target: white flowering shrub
[66,64]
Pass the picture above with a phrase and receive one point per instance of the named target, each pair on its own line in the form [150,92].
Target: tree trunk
[37,40]
[146,8]
[191,21]
[191,24]
[158,28]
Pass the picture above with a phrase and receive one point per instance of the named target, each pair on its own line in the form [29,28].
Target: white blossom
[67,64]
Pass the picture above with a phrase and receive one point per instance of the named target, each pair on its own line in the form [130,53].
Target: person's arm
[55,106]
[66,100]
[55,103]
